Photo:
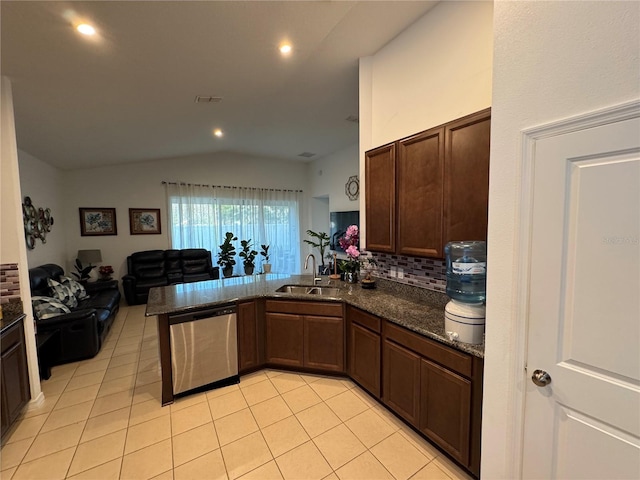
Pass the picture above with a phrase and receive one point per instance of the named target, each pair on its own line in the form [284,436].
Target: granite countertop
[416,309]
[9,321]
[11,312]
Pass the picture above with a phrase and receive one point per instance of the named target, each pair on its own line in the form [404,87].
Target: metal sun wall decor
[37,223]
[352,188]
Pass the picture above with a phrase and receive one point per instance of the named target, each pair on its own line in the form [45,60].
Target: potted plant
[227,253]
[321,245]
[349,244]
[105,272]
[369,264]
[83,272]
[266,266]
[249,256]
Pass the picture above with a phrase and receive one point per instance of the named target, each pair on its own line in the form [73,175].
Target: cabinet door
[420,171]
[380,198]
[284,339]
[248,357]
[466,187]
[401,381]
[324,343]
[446,409]
[14,374]
[364,358]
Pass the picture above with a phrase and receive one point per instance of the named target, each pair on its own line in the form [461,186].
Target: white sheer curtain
[200,215]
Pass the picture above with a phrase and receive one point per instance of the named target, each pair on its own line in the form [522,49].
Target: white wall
[443,65]
[13,248]
[43,183]
[139,185]
[327,179]
[328,176]
[437,70]
[552,60]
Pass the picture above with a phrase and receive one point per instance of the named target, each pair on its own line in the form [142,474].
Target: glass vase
[351,277]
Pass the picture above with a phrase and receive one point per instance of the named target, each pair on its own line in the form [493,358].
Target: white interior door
[584,306]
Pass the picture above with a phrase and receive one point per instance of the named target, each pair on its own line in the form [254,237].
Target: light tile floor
[102,419]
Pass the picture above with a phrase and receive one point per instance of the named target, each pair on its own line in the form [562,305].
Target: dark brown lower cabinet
[250,337]
[402,381]
[284,339]
[324,343]
[364,358]
[14,375]
[445,409]
[435,388]
[305,334]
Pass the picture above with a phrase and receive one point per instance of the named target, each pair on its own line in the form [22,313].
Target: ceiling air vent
[207,99]
[352,118]
[307,154]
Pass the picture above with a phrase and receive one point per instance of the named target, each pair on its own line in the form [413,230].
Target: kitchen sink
[308,290]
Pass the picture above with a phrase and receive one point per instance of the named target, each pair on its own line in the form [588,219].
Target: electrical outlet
[400,272]
[393,272]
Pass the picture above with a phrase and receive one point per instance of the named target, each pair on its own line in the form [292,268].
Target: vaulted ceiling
[127,93]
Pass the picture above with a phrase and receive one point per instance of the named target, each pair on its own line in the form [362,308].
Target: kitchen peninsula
[390,340]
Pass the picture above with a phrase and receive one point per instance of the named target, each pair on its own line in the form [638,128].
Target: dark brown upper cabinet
[420,173]
[380,198]
[426,190]
[466,179]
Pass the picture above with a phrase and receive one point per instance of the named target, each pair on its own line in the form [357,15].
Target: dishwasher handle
[201,314]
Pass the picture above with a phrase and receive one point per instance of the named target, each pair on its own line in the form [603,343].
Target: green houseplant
[266,266]
[321,244]
[248,254]
[83,272]
[227,253]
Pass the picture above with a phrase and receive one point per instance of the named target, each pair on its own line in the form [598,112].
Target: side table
[99,285]
[47,346]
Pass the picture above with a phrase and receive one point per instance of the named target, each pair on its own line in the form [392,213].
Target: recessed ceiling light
[218,133]
[285,48]
[86,29]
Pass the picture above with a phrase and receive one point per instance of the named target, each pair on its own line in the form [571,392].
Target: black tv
[339,223]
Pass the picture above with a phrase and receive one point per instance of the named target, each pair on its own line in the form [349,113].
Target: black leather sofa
[158,268]
[81,333]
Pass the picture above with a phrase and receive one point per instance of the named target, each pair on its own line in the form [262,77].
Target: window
[200,215]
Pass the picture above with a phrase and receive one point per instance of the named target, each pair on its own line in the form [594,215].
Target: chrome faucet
[316,279]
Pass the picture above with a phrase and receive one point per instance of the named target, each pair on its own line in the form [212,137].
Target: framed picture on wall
[144,221]
[98,221]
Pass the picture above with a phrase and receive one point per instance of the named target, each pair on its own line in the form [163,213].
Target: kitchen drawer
[325,309]
[364,319]
[446,356]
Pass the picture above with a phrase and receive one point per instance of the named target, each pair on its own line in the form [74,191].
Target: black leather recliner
[158,268]
[81,332]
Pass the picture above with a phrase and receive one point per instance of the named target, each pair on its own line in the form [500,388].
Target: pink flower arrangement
[349,244]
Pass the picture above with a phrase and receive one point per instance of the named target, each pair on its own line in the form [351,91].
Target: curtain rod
[228,186]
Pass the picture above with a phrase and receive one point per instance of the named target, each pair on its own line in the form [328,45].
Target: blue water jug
[466,271]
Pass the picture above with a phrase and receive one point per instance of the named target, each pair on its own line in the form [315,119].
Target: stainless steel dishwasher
[204,349]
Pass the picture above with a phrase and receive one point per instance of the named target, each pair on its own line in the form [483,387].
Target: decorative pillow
[76,287]
[62,293]
[47,307]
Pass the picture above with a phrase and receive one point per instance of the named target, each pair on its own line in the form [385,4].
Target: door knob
[541,378]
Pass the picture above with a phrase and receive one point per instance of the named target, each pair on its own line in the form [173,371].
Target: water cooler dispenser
[466,286]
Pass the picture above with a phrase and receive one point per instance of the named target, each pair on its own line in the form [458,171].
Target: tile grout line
[93,405]
[126,436]
[350,386]
[273,457]
[48,416]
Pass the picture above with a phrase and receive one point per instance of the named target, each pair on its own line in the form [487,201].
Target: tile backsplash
[420,272]
[10,302]
[9,282]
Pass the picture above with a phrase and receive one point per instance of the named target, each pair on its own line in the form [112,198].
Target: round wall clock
[352,187]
